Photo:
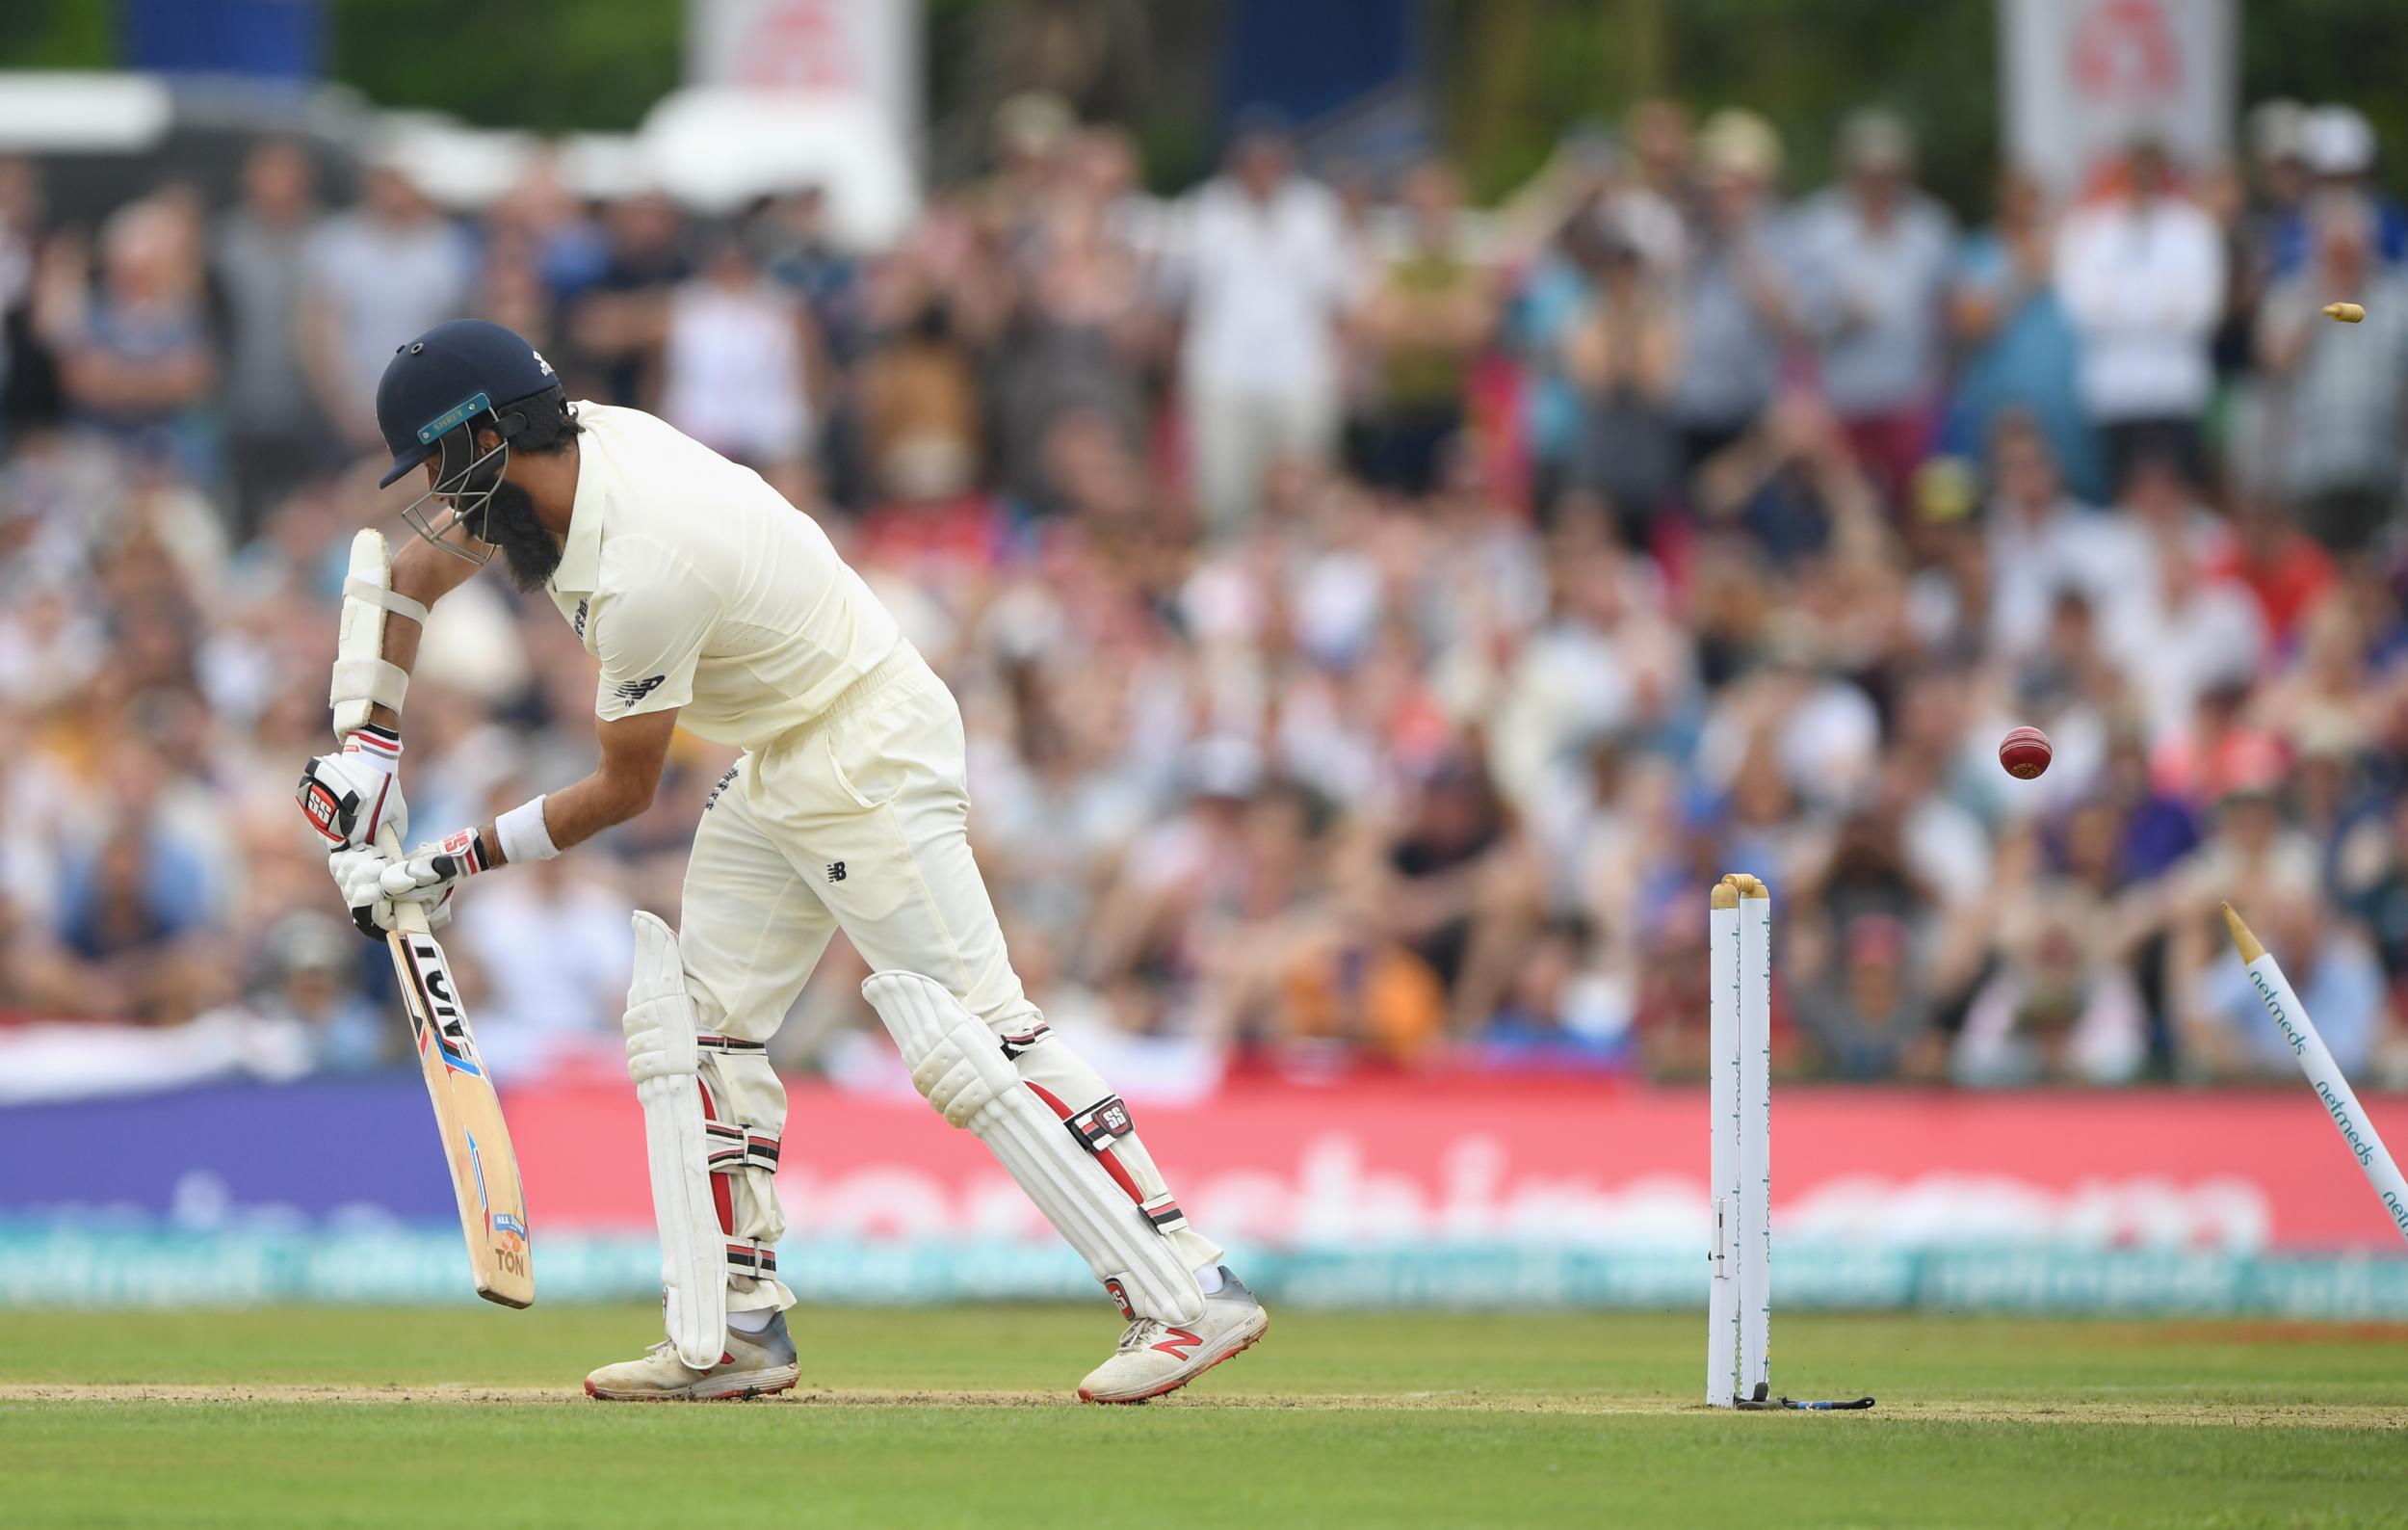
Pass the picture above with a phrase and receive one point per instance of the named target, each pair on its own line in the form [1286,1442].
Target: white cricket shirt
[698,586]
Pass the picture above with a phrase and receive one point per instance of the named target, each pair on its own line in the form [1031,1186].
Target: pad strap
[751,1257]
[355,588]
[377,681]
[733,1148]
[1164,1212]
[1016,1042]
[1100,1125]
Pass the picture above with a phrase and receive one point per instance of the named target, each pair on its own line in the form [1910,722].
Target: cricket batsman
[710,602]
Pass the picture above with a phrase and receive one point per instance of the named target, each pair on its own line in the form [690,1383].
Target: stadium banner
[858,50]
[1454,1192]
[2081,80]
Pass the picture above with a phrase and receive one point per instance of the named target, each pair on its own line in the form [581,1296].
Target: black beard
[511,524]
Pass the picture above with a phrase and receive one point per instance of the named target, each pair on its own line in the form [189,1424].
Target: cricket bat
[467,1113]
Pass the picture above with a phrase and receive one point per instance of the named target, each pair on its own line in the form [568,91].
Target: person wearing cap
[2335,145]
[1736,303]
[1874,252]
[710,604]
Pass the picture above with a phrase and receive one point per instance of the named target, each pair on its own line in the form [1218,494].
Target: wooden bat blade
[468,1116]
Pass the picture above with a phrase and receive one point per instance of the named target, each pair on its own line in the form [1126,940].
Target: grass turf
[945,1417]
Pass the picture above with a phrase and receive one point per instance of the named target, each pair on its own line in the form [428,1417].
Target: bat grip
[409,918]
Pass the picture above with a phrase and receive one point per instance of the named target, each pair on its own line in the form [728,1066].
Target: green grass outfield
[961,1416]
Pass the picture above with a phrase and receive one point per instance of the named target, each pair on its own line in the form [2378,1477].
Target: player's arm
[634,750]
[352,793]
[648,641]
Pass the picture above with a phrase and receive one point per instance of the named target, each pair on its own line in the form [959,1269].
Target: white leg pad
[663,1058]
[959,1066]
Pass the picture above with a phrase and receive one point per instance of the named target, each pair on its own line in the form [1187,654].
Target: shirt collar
[581,550]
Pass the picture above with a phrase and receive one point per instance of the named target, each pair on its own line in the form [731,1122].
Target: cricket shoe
[1155,1356]
[752,1365]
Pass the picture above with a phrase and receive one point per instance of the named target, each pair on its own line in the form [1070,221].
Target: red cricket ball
[2024,753]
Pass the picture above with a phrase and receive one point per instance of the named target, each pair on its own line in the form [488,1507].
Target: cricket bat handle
[409,918]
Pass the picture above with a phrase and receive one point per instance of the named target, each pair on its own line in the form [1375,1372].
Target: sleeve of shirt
[648,639]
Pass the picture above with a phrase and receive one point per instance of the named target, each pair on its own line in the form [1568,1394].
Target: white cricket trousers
[857,821]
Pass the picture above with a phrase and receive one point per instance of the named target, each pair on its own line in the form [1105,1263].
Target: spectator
[797,248]
[1623,357]
[739,354]
[274,441]
[136,358]
[2335,146]
[310,989]
[1867,1017]
[379,273]
[1427,314]
[2061,1009]
[1268,277]
[2342,419]
[618,324]
[2019,344]
[1877,251]
[919,398]
[2141,274]
[2225,1030]
[1080,339]
[555,952]
[1792,482]
[1662,192]
[2278,187]
[28,378]
[1735,301]
[2043,543]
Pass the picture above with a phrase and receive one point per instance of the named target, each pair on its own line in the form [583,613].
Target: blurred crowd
[1377,621]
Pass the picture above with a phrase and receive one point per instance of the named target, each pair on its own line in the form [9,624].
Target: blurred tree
[1531,67]
[58,34]
[1526,68]
[551,65]
[1512,74]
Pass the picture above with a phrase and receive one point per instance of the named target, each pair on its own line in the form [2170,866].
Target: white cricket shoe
[752,1365]
[1155,1357]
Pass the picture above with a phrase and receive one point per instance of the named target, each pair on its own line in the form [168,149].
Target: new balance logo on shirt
[635,691]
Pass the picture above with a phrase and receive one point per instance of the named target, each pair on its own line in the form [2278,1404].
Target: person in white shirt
[711,603]
[736,365]
[2142,276]
[1267,272]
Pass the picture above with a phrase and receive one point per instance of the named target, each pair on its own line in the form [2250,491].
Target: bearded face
[511,524]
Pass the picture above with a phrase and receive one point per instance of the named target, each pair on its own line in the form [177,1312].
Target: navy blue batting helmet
[436,392]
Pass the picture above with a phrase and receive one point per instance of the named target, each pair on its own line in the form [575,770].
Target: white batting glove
[430,873]
[350,795]
[359,874]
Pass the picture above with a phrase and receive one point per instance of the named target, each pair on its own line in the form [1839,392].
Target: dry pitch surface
[959,1416]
